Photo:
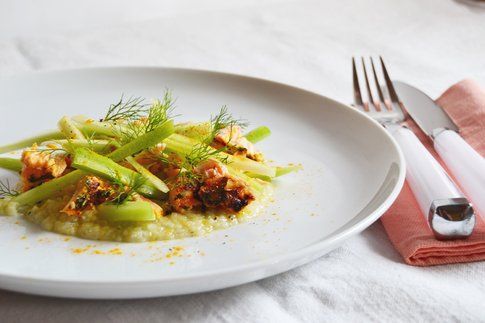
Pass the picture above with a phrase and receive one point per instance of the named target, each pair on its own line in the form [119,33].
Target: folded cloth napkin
[406,227]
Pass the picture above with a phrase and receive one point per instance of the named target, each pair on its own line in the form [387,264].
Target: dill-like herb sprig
[203,150]
[131,109]
[6,190]
[223,120]
[123,191]
[159,112]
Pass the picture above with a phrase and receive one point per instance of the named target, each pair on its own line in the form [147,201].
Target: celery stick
[144,141]
[183,145]
[30,141]
[102,166]
[255,185]
[89,126]
[128,211]
[258,134]
[249,165]
[157,182]
[99,146]
[69,129]
[280,171]
[262,177]
[48,189]
[13,164]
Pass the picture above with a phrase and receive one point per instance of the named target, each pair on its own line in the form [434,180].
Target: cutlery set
[449,212]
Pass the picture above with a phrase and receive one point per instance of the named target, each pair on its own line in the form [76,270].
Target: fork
[449,214]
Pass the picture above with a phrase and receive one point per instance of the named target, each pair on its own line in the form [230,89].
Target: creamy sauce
[173,226]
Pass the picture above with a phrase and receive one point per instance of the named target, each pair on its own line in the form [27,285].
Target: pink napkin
[405,225]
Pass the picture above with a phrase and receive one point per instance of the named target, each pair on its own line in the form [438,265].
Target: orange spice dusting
[17,222]
[23,237]
[67,238]
[176,251]
[79,251]
[115,251]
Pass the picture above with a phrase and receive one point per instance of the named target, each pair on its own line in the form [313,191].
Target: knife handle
[467,165]
[433,189]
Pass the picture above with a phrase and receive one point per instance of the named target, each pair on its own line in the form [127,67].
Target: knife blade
[424,111]
[467,165]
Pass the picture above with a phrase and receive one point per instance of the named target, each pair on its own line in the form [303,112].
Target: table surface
[307,43]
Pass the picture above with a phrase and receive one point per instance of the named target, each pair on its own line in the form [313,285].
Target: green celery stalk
[262,177]
[99,146]
[32,140]
[258,134]
[69,129]
[48,189]
[256,186]
[128,211]
[91,162]
[89,126]
[183,145]
[280,171]
[157,182]
[13,164]
[144,141]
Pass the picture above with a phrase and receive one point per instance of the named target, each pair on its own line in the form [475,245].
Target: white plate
[353,171]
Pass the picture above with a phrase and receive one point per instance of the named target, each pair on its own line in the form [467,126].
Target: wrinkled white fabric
[431,44]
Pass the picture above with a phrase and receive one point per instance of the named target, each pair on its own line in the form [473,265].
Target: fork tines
[386,95]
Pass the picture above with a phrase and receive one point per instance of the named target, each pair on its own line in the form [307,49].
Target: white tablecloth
[306,43]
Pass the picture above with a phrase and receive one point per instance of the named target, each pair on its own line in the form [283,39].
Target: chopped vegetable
[13,164]
[129,211]
[184,145]
[258,134]
[51,135]
[69,129]
[90,127]
[157,182]
[102,166]
[48,189]
[144,141]
[100,146]
[280,171]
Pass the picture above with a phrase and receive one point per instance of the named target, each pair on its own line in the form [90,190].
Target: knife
[466,164]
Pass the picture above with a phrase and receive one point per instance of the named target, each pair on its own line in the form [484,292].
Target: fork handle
[465,164]
[433,189]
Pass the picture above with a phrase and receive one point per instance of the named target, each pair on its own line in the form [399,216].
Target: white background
[431,44]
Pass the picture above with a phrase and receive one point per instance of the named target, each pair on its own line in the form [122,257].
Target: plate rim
[303,252]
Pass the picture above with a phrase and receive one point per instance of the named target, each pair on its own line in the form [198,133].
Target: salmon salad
[135,174]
